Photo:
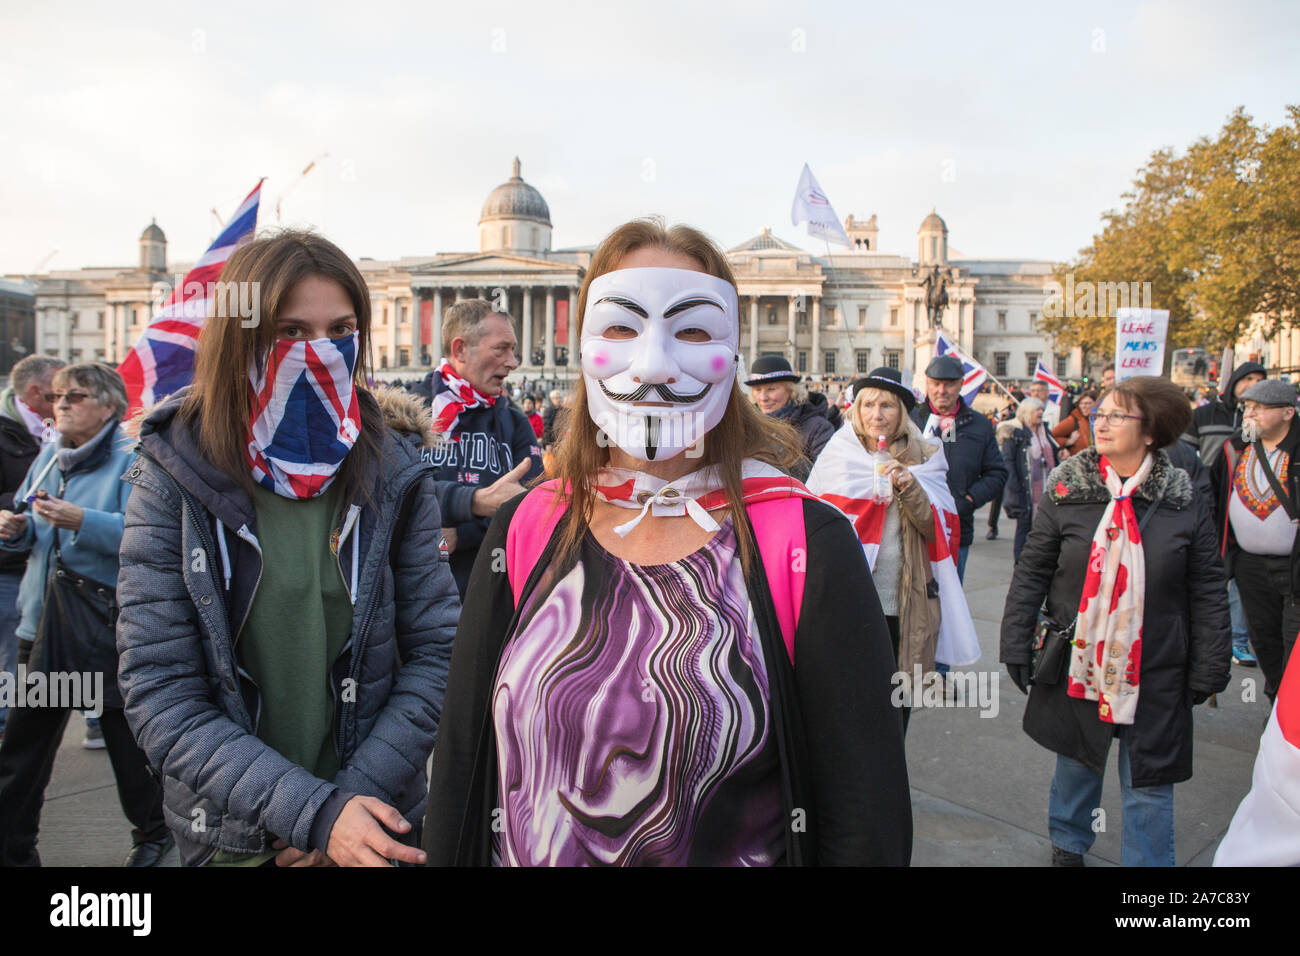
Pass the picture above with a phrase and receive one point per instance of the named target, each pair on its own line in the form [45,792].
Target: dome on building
[932,222]
[515,199]
[153,233]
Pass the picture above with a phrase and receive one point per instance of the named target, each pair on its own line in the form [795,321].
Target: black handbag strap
[1285,499]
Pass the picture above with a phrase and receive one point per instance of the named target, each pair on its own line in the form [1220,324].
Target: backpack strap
[778,527]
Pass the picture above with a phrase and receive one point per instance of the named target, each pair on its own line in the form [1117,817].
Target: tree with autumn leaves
[1215,230]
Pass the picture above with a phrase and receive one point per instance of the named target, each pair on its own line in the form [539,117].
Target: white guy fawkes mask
[659,357]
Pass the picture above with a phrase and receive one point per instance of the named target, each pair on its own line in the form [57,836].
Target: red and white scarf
[460,396]
[1106,662]
[845,476]
[695,494]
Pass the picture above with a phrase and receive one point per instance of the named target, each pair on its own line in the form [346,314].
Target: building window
[74,356]
[829,365]
[862,316]
[1000,363]
[771,316]
[893,358]
[863,361]
[1033,319]
[403,357]
[99,355]
[1031,364]
[1002,320]
[802,362]
[534,237]
[100,316]
[893,317]
[801,317]
[1061,365]
[383,357]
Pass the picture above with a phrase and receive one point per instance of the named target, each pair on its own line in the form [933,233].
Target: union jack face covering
[304,417]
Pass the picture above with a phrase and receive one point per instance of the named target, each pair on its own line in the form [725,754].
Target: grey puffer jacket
[190,565]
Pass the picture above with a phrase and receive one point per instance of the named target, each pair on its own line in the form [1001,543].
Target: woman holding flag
[893,483]
[1118,616]
[669,671]
[285,620]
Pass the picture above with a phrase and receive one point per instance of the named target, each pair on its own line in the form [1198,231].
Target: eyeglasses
[1115,419]
[50,398]
[72,397]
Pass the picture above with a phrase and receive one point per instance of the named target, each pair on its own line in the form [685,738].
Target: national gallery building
[835,315]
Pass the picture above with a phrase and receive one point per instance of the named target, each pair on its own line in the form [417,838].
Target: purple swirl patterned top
[632,719]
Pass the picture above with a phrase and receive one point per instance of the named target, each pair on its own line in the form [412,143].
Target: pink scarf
[460,396]
[1106,662]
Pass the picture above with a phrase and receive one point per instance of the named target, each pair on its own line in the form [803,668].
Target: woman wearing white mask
[660,666]
[285,623]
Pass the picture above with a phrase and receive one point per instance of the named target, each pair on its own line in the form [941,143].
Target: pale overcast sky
[1021,123]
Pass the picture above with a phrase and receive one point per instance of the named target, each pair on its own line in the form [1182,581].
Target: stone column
[572,345]
[550,326]
[435,327]
[791,332]
[381,306]
[120,346]
[527,329]
[816,367]
[110,327]
[753,330]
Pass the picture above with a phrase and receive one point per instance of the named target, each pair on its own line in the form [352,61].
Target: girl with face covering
[658,667]
[286,623]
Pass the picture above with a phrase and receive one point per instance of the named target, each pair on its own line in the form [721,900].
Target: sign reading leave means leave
[1140,342]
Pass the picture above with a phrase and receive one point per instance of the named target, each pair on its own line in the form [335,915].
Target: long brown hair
[219,401]
[744,432]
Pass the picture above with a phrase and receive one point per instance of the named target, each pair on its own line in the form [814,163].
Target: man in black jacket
[1257,527]
[976,471]
[24,407]
[489,449]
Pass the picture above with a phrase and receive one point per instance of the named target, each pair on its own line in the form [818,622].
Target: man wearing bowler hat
[976,471]
[1257,509]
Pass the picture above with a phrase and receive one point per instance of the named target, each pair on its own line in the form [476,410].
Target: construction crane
[294,185]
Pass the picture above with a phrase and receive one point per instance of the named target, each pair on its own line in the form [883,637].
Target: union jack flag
[305,417]
[973,373]
[162,360]
[1055,388]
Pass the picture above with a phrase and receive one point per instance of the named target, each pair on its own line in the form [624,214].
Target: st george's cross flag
[973,373]
[811,206]
[844,476]
[1055,387]
[162,360]
[1265,831]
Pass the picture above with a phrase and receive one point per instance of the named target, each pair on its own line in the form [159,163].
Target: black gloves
[1019,676]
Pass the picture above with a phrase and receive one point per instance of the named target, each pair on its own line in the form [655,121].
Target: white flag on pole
[812,206]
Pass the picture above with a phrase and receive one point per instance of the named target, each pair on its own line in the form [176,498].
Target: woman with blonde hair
[881,471]
[1030,452]
[655,664]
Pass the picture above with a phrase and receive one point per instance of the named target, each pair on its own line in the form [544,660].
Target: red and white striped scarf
[460,396]
[1106,662]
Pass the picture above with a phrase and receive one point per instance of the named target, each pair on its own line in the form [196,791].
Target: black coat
[1186,637]
[1017,496]
[839,737]
[810,420]
[975,465]
[17,452]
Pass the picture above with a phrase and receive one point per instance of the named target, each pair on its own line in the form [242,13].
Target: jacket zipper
[363,632]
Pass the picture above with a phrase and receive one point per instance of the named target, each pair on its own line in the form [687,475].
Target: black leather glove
[1019,676]
[1199,697]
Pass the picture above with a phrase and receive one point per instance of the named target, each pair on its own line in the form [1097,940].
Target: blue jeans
[1240,631]
[961,562]
[1148,834]
[9,618]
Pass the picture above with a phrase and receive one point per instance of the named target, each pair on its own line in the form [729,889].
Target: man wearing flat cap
[976,470]
[1257,508]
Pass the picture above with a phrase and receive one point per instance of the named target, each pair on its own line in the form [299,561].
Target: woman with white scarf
[1121,587]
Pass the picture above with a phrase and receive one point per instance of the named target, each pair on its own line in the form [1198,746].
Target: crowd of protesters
[295,591]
